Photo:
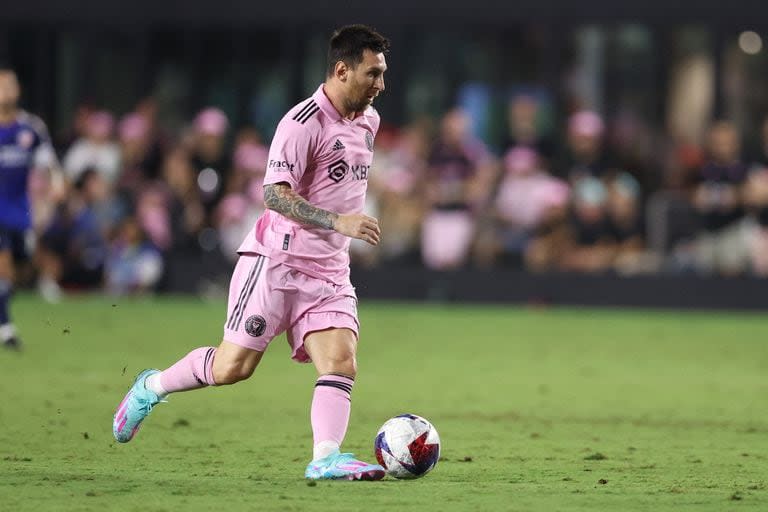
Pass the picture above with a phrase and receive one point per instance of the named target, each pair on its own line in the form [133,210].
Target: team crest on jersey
[369,140]
[255,325]
[25,139]
[337,170]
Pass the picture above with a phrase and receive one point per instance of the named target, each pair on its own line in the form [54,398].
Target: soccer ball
[407,446]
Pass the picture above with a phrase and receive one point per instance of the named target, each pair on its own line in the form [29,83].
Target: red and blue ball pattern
[407,446]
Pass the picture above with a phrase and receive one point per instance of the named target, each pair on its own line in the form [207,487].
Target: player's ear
[340,70]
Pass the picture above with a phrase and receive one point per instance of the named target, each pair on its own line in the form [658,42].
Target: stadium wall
[507,286]
[400,12]
[513,287]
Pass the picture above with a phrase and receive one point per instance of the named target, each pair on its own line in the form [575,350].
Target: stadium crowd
[602,197]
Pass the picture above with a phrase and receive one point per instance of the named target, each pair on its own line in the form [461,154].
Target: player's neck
[336,98]
[7,115]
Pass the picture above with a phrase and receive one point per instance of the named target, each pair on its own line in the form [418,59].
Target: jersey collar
[325,104]
[329,110]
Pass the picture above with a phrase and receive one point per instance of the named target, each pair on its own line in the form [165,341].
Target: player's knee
[344,363]
[232,372]
[6,269]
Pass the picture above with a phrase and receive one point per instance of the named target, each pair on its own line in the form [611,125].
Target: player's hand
[359,225]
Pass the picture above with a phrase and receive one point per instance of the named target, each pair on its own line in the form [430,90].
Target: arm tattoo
[281,198]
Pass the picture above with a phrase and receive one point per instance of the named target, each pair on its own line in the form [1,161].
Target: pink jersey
[326,159]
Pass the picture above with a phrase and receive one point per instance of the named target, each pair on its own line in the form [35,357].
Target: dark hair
[348,43]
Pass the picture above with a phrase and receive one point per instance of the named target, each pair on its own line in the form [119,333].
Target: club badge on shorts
[255,325]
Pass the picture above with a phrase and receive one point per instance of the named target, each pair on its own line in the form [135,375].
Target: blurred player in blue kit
[24,145]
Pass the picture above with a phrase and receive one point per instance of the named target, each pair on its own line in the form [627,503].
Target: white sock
[7,332]
[324,449]
[49,289]
[152,383]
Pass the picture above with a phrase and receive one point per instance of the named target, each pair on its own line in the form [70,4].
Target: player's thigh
[332,350]
[6,265]
[258,304]
[325,311]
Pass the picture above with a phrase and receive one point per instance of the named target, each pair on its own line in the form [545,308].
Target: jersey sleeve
[289,154]
[45,155]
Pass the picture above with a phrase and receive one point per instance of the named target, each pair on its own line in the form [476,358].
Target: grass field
[538,409]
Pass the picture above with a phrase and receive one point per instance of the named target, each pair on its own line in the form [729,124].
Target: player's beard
[358,105]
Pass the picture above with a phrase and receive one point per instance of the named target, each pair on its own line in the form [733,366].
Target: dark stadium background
[254,60]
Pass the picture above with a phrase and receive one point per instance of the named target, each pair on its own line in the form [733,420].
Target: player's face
[9,89]
[365,81]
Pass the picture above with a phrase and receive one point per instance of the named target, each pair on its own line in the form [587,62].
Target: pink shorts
[267,298]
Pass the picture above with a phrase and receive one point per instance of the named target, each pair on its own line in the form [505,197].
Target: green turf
[575,409]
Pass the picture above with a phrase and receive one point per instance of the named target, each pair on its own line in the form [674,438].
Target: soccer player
[293,270]
[24,144]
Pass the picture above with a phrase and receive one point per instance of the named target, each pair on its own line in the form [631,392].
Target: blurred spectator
[235,217]
[398,181]
[360,252]
[73,248]
[632,148]
[585,154]
[624,213]
[141,155]
[96,150]
[169,211]
[592,246]
[721,246]
[78,128]
[249,163]
[244,203]
[154,217]
[133,264]
[524,128]
[209,155]
[625,220]
[527,197]
[759,155]
[133,135]
[681,164]
[756,202]
[458,184]
[248,135]
[439,201]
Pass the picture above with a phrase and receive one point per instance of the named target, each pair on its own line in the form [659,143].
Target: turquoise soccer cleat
[136,405]
[343,466]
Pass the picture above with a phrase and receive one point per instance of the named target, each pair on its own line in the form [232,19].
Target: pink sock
[193,371]
[330,409]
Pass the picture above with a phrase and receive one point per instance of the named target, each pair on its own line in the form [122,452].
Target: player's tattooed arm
[281,198]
